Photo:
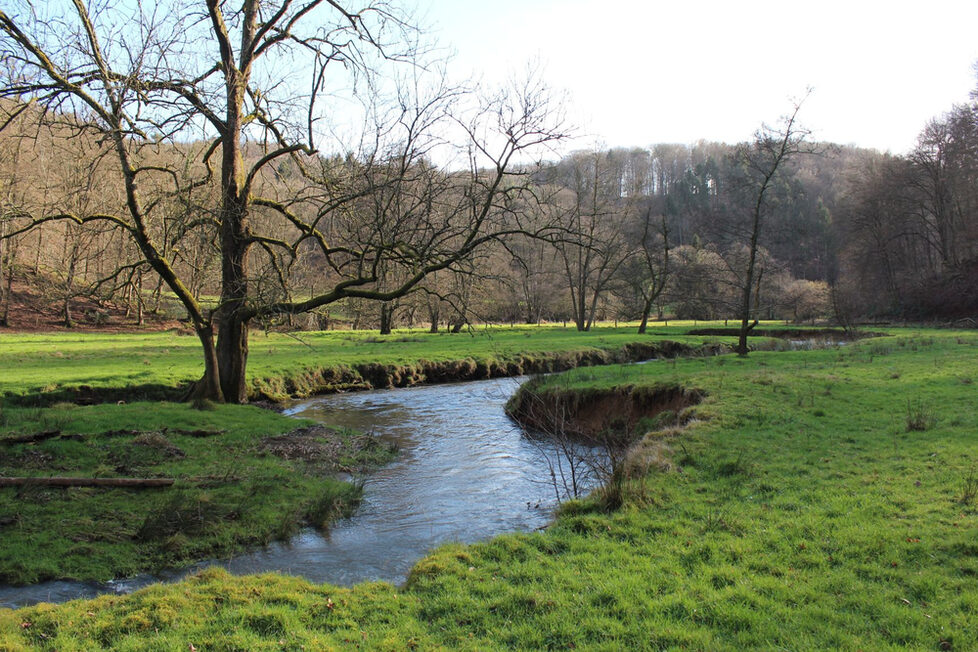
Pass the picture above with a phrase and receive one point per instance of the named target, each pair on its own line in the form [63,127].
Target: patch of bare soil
[328,449]
[312,444]
[36,304]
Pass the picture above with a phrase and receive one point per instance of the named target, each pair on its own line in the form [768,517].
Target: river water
[464,472]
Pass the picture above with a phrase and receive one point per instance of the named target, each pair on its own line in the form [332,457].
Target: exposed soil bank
[328,380]
[595,414]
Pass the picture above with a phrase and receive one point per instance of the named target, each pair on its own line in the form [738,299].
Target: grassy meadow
[155,365]
[821,499]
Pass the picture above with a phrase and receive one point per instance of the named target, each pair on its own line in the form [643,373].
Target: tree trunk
[209,386]
[37,253]
[11,258]
[433,316]
[579,311]
[386,318]
[4,265]
[747,290]
[157,297]
[128,298]
[139,299]
[232,339]
[593,310]
[232,329]
[646,311]
[232,357]
[66,306]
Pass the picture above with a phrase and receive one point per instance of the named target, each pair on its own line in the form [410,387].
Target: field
[66,365]
[821,499]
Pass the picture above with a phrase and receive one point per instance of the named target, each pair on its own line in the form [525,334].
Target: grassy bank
[237,484]
[818,499]
[127,366]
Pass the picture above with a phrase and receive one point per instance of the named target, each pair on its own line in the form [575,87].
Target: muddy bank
[367,376]
[595,414]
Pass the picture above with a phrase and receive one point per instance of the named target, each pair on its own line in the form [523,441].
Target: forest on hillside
[130,176]
[853,233]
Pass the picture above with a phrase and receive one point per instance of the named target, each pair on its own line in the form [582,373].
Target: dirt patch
[32,459]
[313,444]
[329,449]
[158,441]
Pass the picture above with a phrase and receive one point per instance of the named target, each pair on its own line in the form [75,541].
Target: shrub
[919,416]
[970,489]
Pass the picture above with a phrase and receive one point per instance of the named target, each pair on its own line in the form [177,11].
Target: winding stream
[464,472]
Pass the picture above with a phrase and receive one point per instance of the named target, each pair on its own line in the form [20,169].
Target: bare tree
[593,247]
[238,89]
[758,164]
[646,274]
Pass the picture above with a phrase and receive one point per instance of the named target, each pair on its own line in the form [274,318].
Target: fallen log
[32,438]
[136,483]
[163,431]
[197,433]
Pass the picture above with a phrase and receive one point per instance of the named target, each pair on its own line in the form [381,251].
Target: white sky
[646,71]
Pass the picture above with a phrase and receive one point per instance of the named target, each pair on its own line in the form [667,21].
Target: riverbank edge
[592,413]
[367,376]
[275,390]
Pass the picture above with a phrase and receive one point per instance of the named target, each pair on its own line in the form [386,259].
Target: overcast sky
[642,72]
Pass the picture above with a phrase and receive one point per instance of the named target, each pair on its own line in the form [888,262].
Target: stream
[464,472]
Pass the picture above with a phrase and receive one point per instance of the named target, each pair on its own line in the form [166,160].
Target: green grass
[159,365]
[803,509]
[230,491]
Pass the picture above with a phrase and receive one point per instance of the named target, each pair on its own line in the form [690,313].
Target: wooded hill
[852,234]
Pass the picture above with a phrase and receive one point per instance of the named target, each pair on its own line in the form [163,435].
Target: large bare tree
[191,95]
